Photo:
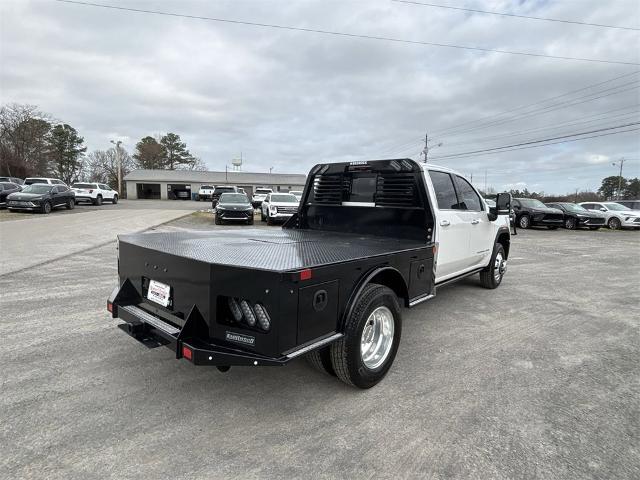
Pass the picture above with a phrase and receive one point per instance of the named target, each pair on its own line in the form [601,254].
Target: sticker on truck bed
[159,293]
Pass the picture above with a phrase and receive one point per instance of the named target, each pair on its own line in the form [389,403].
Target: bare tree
[101,166]
[24,137]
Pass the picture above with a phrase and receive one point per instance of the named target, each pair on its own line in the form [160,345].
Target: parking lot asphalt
[537,379]
[28,239]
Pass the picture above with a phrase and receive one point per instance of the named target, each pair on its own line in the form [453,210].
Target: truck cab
[367,239]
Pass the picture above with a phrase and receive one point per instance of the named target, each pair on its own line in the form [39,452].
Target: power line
[551,108]
[502,14]
[592,119]
[345,34]
[522,107]
[547,144]
[496,149]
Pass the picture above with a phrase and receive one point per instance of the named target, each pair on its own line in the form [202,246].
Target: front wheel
[250,221]
[114,200]
[491,276]
[71,204]
[524,222]
[364,355]
[269,219]
[46,207]
[217,220]
[570,223]
[614,223]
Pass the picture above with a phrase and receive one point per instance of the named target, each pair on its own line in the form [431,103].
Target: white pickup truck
[368,238]
[204,193]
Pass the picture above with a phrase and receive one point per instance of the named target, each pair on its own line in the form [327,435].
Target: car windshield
[233,198]
[572,207]
[84,185]
[616,207]
[262,191]
[37,188]
[531,203]
[224,189]
[284,197]
[30,181]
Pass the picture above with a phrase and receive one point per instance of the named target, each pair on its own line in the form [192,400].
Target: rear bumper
[153,331]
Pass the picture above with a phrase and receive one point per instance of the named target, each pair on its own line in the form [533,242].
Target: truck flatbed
[271,250]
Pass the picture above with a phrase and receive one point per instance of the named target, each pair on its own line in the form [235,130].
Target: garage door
[148,190]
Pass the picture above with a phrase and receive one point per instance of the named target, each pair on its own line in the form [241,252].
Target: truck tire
[262,217]
[491,276]
[320,359]
[269,219]
[524,222]
[371,337]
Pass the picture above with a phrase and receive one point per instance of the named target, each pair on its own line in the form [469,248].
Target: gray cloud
[290,99]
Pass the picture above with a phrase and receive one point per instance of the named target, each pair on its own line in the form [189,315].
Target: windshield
[84,185]
[224,189]
[284,197]
[616,207]
[572,207]
[30,181]
[262,191]
[37,188]
[233,198]
[531,203]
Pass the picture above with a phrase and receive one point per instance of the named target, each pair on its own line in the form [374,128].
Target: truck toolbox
[329,284]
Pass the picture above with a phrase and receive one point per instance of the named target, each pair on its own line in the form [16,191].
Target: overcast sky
[289,99]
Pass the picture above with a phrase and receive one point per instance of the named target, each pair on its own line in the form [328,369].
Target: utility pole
[118,166]
[425,150]
[621,162]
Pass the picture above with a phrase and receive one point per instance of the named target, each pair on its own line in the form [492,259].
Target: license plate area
[157,292]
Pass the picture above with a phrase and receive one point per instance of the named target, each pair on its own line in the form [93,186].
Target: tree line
[33,143]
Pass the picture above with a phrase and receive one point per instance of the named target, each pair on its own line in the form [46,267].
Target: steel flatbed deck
[271,250]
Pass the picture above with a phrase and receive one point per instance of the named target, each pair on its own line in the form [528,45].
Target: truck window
[445,192]
[469,199]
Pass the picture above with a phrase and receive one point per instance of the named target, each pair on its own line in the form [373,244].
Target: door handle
[445,223]
[475,221]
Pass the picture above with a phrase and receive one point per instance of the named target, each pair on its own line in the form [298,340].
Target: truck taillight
[306,274]
[247,313]
[110,307]
[187,353]
[263,317]
[250,314]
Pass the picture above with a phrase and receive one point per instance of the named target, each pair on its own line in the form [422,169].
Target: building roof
[232,177]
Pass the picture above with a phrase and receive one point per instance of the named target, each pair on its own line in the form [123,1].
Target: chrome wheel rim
[499,267]
[377,338]
[524,222]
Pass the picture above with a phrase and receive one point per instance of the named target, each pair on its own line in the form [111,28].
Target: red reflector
[187,353]
[110,306]
[305,274]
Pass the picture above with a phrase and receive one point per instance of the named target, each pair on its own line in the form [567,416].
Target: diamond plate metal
[272,250]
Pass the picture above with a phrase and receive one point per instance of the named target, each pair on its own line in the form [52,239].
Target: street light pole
[621,161]
[118,166]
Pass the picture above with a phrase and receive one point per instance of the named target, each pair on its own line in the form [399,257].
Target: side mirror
[503,206]
[602,209]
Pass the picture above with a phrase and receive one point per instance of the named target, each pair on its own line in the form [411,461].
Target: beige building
[184,184]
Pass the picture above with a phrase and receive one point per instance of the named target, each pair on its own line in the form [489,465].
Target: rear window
[263,191]
[208,187]
[84,185]
[31,181]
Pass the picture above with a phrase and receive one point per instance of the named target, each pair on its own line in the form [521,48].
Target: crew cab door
[452,232]
[481,230]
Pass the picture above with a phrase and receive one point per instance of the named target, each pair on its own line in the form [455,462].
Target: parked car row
[592,215]
[43,194]
[234,206]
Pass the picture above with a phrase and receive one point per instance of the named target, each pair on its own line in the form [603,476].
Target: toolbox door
[317,310]
[421,277]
